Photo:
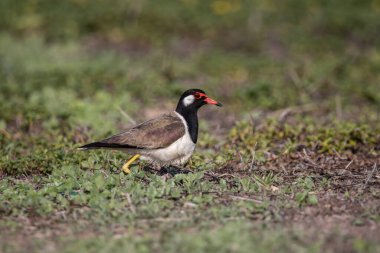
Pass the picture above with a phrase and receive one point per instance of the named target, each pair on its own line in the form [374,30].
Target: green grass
[232,237]
[289,164]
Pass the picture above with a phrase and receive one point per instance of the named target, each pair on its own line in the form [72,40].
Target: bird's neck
[191,118]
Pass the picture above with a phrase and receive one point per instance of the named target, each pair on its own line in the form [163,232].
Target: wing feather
[153,134]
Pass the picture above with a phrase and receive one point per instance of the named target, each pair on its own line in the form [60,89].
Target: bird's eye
[197,95]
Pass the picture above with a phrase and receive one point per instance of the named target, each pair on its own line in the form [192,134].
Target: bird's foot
[125,167]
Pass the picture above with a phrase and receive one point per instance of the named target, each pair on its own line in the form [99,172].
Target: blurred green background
[75,71]
[250,54]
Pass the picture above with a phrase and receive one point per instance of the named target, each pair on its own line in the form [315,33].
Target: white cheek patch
[188,100]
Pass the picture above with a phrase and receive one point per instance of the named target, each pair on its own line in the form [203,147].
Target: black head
[193,99]
[188,105]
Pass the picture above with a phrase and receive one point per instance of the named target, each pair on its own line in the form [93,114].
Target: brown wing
[152,134]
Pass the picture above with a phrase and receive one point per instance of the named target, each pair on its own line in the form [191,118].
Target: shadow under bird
[167,140]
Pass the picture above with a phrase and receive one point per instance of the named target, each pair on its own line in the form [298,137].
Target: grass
[234,236]
[289,164]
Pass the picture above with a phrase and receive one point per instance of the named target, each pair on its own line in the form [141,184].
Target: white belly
[176,153]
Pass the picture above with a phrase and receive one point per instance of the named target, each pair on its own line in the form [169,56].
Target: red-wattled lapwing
[167,140]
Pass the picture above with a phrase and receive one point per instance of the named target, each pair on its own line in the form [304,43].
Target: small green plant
[306,195]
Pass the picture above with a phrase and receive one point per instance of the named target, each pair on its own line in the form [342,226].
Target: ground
[290,163]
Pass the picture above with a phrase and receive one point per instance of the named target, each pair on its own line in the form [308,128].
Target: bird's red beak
[212,101]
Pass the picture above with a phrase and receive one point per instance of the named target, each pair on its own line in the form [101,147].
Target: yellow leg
[130,161]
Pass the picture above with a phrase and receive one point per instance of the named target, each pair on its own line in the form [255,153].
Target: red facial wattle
[206,99]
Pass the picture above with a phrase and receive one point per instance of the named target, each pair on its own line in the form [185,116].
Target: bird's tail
[94,145]
[97,145]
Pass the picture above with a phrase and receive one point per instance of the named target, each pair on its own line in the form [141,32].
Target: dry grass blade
[127,116]
[370,175]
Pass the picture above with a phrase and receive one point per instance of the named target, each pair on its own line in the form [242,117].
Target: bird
[168,140]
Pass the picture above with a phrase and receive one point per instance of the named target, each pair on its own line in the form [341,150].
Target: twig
[348,165]
[337,154]
[371,174]
[307,158]
[129,200]
[225,175]
[126,115]
[284,115]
